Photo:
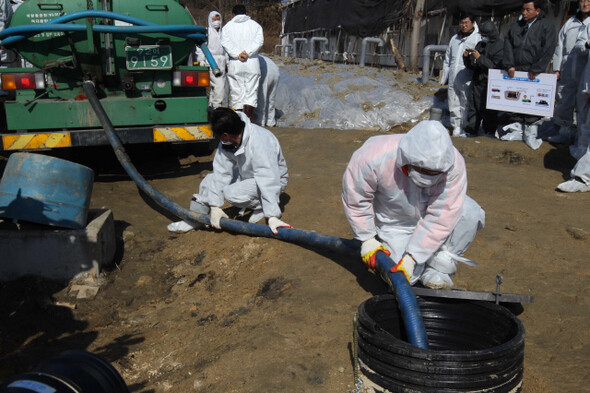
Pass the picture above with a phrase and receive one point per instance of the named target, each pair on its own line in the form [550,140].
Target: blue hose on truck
[14,34]
[407,300]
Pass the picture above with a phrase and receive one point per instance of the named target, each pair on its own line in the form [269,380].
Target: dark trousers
[476,110]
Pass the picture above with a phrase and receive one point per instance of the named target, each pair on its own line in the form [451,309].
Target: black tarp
[365,18]
[362,18]
[482,8]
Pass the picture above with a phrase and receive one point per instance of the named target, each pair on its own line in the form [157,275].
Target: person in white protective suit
[580,176]
[15,4]
[242,39]
[568,65]
[6,56]
[218,93]
[264,114]
[249,171]
[5,14]
[458,76]
[582,138]
[405,195]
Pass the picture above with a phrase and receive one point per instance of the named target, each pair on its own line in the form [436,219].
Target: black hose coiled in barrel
[474,347]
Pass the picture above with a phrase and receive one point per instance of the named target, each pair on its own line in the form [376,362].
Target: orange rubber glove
[369,250]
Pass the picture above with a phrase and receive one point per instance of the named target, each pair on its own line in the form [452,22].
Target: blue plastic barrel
[46,190]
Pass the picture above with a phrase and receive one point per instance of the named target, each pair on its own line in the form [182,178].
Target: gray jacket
[530,49]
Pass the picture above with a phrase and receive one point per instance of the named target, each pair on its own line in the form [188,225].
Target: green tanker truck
[137,54]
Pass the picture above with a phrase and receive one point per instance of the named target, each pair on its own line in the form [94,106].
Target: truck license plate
[148,57]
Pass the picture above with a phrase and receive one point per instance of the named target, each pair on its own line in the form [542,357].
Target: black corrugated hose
[474,347]
[69,372]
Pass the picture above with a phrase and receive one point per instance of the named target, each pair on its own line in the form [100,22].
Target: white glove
[274,223]
[216,214]
[444,77]
[369,250]
[406,265]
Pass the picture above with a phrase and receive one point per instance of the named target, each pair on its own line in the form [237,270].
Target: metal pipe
[377,41]
[312,42]
[285,49]
[426,59]
[295,41]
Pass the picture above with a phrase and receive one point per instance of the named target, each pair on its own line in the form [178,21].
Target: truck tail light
[23,81]
[190,78]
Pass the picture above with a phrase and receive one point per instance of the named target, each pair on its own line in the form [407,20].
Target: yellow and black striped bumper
[179,134]
[79,138]
[36,141]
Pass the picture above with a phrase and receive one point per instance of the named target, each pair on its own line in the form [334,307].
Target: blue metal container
[46,190]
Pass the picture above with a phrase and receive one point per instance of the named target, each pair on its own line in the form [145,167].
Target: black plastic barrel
[69,372]
[473,347]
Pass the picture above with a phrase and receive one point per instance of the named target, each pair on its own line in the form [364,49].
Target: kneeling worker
[405,195]
[249,171]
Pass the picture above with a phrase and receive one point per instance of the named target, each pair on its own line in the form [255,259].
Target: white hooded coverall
[582,140]
[582,168]
[267,92]
[434,224]
[242,34]
[459,77]
[570,62]
[251,178]
[218,94]
[5,14]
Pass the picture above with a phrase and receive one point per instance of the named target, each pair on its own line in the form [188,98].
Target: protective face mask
[485,39]
[216,24]
[425,181]
[228,146]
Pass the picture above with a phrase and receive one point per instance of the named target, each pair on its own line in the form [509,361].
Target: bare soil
[214,312]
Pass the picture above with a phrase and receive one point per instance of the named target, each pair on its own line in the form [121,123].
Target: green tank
[145,80]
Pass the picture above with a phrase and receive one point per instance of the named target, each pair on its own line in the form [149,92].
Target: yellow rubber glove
[406,266]
[369,250]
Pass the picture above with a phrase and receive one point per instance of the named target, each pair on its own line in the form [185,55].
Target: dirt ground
[217,312]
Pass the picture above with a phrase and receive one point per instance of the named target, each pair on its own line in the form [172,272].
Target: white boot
[511,132]
[434,279]
[573,185]
[530,136]
[256,216]
[439,269]
[180,227]
[458,132]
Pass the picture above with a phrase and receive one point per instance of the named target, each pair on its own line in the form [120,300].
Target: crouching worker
[249,171]
[405,195]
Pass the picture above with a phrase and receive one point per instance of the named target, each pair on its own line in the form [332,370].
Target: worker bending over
[405,195]
[249,171]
